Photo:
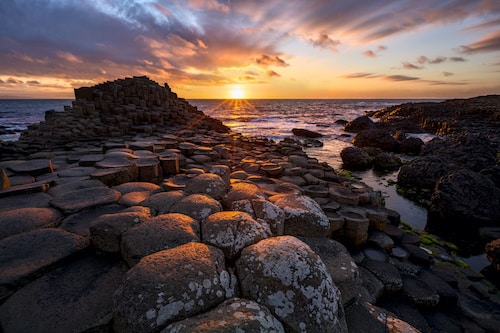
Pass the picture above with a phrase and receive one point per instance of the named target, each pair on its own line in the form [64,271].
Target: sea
[273,119]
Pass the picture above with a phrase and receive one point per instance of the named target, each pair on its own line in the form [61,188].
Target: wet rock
[359,124]
[343,195]
[376,138]
[72,202]
[303,215]
[73,298]
[411,146]
[25,256]
[306,133]
[169,286]
[231,316]
[209,184]
[159,233]
[107,229]
[79,223]
[375,254]
[386,161]
[465,195]
[26,219]
[354,158]
[286,276]
[198,206]
[340,265]
[418,255]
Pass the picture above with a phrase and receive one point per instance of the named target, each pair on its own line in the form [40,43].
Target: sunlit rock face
[285,275]
[169,286]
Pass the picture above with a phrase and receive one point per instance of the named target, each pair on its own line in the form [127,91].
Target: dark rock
[492,250]
[424,172]
[161,203]
[359,124]
[386,161]
[371,284]
[32,200]
[73,298]
[411,146]
[418,255]
[306,133]
[31,167]
[386,273]
[375,254]
[25,256]
[26,219]
[465,195]
[169,286]
[284,274]
[354,158]
[159,233]
[418,292]
[441,323]
[405,311]
[79,223]
[341,122]
[231,316]
[376,138]
[72,202]
[446,293]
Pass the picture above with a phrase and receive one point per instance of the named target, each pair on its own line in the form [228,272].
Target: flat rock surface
[22,220]
[74,201]
[25,256]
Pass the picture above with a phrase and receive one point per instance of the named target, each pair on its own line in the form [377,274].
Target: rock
[359,124]
[406,311]
[306,133]
[343,195]
[411,146]
[32,200]
[418,255]
[354,158]
[424,172]
[381,240]
[492,250]
[161,203]
[198,206]
[79,223]
[371,287]
[465,195]
[169,286]
[355,226]
[286,276]
[386,161]
[340,265]
[207,183]
[72,202]
[233,231]
[26,219]
[107,229]
[386,273]
[447,295]
[73,298]
[31,167]
[418,292]
[241,191]
[76,185]
[159,233]
[376,138]
[272,214]
[25,256]
[303,215]
[233,315]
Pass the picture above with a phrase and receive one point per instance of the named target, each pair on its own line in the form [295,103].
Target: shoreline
[206,174]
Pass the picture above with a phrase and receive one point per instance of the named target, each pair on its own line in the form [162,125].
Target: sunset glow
[274,49]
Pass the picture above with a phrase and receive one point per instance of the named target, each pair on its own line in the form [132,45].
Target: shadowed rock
[26,219]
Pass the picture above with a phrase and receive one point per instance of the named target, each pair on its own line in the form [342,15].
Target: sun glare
[237,93]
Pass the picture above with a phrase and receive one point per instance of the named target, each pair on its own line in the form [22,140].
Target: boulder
[233,231]
[303,215]
[306,133]
[340,266]
[198,206]
[26,256]
[387,161]
[209,184]
[376,138]
[161,203]
[169,286]
[467,196]
[107,229]
[234,315]
[73,298]
[424,172]
[411,146]
[359,124]
[418,292]
[241,191]
[286,276]
[159,233]
[354,158]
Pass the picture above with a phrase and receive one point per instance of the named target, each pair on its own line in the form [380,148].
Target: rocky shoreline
[132,211]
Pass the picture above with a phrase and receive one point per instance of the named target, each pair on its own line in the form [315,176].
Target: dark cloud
[437,60]
[400,78]
[361,75]
[489,43]
[457,59]
[448,74]
[273,74]
[33,82]
[325,42]
[407,65]
[266,60]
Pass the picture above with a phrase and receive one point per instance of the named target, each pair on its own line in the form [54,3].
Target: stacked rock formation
[184,230]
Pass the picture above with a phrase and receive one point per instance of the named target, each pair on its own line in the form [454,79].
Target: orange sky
[264,48]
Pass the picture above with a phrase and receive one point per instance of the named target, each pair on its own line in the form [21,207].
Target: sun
[237,93]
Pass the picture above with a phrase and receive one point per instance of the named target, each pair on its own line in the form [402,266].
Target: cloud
[489,43]
[407,65]
[403,78]
[448,74]
[457,59]
[361,75]
[266,60]
[273,74]
[400,78]
[325,42]
[437,60]
[374,54]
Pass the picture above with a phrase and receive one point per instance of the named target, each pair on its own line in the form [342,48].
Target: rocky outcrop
[359,124]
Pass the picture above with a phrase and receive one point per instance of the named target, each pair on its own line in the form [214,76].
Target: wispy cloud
[403,78]
[267,60]
[437,60]
[407,65]
[325,42]
[374,53]
[273,74]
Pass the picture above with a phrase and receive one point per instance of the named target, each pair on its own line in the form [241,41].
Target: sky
[253,49]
